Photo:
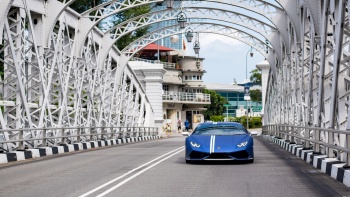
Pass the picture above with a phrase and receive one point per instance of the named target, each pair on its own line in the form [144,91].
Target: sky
[225,58]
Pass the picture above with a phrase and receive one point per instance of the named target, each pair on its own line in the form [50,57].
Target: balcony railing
[186,97]
[165,64]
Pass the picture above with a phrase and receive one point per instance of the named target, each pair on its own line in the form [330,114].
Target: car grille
[240,154]
[237,155]
[219,156]
[198,155]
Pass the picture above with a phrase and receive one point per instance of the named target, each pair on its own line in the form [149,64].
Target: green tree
[255,76]
[255,95]
[126,15]
[81,6]
[216,108]
[217,118]
[84,5]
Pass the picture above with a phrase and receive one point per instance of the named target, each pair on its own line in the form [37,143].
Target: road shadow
[233,162]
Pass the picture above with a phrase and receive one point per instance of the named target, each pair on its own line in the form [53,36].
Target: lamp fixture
[169,4]
[189,35]
[182,19]
[198,63]
[196,46]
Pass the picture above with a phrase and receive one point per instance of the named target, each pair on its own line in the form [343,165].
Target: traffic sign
[257,108]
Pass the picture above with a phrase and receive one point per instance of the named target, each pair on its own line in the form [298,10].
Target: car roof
[211,124]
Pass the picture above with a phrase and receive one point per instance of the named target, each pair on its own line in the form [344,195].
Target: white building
[174,89]
[234,94]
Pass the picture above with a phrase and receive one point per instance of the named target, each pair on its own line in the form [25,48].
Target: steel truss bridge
[62,71]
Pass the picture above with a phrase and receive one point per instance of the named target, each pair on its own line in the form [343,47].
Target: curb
[64,148]
[330,166]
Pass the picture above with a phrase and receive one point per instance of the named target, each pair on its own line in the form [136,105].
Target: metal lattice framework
[46,85]
[311,87]
[126,27]
[56,72]
[201,27]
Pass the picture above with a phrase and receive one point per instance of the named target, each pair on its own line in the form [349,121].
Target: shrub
[254,122]
[217,118]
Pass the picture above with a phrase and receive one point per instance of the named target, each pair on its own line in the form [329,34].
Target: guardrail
[320,140]
[67,135]
[165,64]
[184,96]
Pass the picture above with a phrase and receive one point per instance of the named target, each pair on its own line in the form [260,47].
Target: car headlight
[243,144]
[195,145]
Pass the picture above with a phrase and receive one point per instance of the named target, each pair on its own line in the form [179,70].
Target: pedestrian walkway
[175,133]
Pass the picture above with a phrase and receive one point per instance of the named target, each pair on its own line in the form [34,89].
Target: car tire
[251,161]
[188,161]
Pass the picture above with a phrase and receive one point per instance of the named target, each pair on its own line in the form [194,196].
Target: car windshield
[220,130]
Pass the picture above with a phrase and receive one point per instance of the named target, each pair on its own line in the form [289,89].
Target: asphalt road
[157,168]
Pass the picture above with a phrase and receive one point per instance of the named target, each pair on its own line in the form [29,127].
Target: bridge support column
[264,67]
[151,77]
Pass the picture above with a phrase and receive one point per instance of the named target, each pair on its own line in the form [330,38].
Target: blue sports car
[219,141]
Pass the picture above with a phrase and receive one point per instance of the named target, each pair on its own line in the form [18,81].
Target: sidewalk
[175,133]
[257,131]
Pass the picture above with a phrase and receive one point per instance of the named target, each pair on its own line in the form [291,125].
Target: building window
[165,87]
[196,112]
[193,77]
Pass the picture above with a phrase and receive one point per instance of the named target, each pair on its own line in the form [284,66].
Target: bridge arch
[109,8]
[148,19]
[314,56]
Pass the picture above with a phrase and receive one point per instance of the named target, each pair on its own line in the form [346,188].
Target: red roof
[154,47]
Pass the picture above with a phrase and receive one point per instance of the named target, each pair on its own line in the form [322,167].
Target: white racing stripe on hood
[212,143]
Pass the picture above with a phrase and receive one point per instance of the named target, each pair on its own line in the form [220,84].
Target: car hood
[220,140]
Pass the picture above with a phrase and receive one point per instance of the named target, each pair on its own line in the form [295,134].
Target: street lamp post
[246,99]
[227,105]
[246,88]
[246,60]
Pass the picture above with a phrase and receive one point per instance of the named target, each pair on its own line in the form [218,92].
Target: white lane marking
[137,174]
[131,171]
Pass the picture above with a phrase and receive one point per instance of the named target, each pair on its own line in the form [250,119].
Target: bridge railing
[67,135]
[320,140]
